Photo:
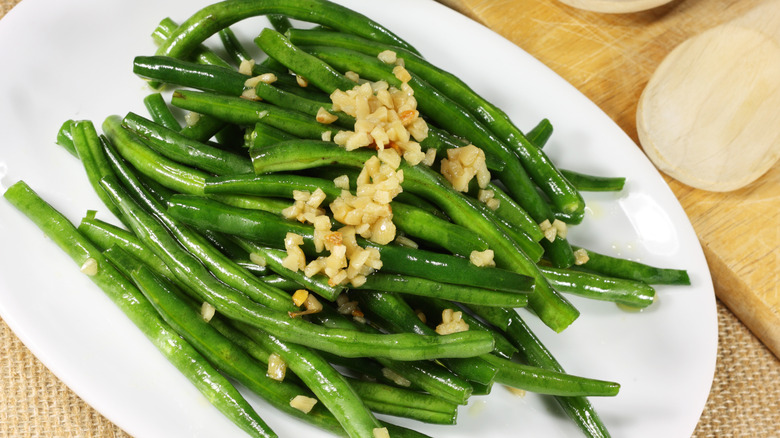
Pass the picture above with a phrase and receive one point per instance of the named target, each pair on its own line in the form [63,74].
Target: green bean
[212,18]
[237,306]
[435,306]
[274,258]
[539,134]
[176,176]
[592,183]
[264,135]
[200,53]
[633,270]
[427,375]
[279,22]
[553,309]
[329,386]
[400,402]
[542,381]
[394,315]
[269,229]
[233,47]
[65,137]
[160,112]
[88,146]
[535,162]
[234,252]
[217,78]
[245,112]
[184,150]
[628,292]
[105,235]
[411,220]
[218,390]
[513,215]
[423,287]
[559,252]
[534,352]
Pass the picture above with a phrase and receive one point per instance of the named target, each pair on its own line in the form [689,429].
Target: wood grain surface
[610,58]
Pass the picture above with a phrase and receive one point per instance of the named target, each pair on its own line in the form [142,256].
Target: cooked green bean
[269,229]
[238,306]
[553,309]
[633,270]
[535,353]
[405,284]
[217,389]
[160,112]
[210,19]
[184,150]
[535,162]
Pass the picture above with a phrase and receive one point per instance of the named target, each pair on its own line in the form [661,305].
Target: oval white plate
[64,60]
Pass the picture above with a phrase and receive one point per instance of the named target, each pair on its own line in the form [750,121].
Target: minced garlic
[482,258]
[451,322]
[303,403]
[462,165]
[581,256]
[277,367]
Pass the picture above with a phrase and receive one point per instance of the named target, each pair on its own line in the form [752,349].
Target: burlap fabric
[743,401]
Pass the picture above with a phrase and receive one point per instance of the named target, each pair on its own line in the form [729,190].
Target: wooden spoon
[710,114]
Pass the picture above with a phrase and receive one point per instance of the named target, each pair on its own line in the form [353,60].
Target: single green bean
[177,147]
[633,270]
[160,112]
[212,18]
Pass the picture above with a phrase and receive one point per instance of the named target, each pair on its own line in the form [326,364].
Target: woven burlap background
[744,400]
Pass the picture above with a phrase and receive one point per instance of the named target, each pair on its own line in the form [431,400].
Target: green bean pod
[423,287]
[211,19]
[633,270]
[177,147]
[160,112]
[599,287]
[543,381]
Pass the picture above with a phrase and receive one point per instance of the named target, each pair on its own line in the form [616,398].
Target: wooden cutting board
[610,58]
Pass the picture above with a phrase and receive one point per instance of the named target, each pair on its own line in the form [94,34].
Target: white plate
[64,60]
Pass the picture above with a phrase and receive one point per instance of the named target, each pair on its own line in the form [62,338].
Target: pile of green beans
[200,204]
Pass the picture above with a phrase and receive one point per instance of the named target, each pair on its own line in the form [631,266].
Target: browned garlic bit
[347,307]
[462,165]
[581,256]
[303,403]
[310,302]
[482,258]
[277,367]
[451,322]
